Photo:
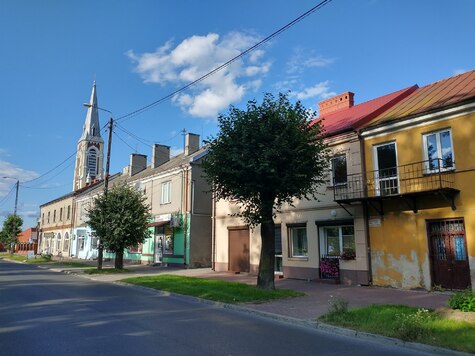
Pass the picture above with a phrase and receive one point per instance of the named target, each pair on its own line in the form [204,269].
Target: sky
[138,52]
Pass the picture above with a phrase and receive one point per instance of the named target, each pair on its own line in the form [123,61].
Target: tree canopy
[120,219]
[264,157]
[12,227]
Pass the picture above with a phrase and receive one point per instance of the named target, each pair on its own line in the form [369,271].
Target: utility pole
[12,244]
[100,252]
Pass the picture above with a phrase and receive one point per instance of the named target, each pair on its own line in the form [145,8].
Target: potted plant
[348,254]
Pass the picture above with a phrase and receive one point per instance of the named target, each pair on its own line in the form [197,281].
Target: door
[448,253]
[239,250]
[386,175]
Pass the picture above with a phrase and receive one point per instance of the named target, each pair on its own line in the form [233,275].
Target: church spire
[91,125]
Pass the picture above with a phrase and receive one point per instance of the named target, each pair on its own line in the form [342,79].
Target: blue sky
[140,51]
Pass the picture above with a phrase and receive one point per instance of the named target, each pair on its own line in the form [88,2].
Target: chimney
[138,163]
[192,143]
[338,102]
[160,155]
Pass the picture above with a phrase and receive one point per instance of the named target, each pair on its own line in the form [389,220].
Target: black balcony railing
[418,177]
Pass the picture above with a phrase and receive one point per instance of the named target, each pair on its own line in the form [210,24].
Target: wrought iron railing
[409,178]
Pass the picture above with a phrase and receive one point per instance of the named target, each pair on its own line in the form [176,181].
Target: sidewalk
[309,307]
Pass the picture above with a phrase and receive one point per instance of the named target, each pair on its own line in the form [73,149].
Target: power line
[8,195]
[217,69]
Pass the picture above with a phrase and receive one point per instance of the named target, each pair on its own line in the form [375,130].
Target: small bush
[464,301]
[337,305]
[46,256]
[410,327]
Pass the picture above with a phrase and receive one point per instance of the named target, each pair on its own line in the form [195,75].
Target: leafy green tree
[120,220]
[10,231]
[264,157]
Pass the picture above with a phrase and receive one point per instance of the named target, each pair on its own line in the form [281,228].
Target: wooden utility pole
[100,252]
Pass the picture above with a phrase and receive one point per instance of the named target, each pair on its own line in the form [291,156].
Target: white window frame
[377,178]
[439,151]
[323,240]
[166,197]
[332,176]
[291,230]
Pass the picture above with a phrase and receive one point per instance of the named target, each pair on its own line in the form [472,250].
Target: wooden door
[239,250]
[448,253]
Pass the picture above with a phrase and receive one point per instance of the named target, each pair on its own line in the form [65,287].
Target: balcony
[407,182]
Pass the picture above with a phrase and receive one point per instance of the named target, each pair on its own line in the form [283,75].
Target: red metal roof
[435,96]
[358,115]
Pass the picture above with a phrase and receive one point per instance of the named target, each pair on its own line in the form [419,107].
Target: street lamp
[14,212]
[100,252]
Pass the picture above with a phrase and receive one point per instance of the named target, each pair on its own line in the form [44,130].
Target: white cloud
[320,90]
[8,169]
[301,61]
[196,56]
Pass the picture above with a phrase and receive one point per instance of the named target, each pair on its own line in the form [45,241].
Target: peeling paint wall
[399,245]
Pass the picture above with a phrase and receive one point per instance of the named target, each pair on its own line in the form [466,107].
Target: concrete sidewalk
[309,307]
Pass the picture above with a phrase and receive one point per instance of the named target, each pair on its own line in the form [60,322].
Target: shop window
[337,239]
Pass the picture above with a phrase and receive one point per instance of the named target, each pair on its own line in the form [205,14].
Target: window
[82,213]
[438,151]
[166,192]
[66,242]
[298,241]
[68,215]
[338,170]
[92,163]
[61,214]
[94,241]
[49,214]
[278,251]
[58,242]
[54,216]
[43,219]
[336,239]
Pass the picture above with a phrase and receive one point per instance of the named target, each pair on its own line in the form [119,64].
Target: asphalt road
[50,313]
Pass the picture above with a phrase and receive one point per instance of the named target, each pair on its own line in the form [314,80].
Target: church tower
[90,152]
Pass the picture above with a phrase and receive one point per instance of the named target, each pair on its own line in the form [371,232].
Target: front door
[386,175]
[158,253]
[239,250]
[448,253]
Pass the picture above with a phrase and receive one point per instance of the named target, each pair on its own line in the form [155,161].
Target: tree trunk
[119,259]
[265,278]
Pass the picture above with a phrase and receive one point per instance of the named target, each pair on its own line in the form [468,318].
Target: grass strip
[212,289]
[407,323]
[105,271]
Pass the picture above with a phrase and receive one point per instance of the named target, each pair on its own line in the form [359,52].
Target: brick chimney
[338,102]
[192,143]
[160,155]
[138,163]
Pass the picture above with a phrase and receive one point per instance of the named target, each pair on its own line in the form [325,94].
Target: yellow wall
[399,245]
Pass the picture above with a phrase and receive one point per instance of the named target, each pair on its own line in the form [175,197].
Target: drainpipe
[365,207]
[185,214]
[213,232]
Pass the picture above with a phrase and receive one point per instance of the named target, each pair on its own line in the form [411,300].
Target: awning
[159,223]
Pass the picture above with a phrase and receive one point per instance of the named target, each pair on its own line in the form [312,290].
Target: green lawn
[23,258]
[220,291]
[407,323]
[105,271]
[73,264]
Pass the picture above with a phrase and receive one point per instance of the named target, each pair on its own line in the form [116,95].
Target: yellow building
[418,188]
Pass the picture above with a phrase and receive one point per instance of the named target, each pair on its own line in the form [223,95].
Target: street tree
[12,227]
[120,220]
[264,157]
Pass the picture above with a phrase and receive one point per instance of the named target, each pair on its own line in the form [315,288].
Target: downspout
[365,207]
[213,233]
[185,219]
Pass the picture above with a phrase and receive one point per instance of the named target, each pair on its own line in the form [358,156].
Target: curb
[327,328]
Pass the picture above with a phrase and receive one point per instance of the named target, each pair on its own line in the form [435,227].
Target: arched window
[58,242]
[66,242]
[92,163]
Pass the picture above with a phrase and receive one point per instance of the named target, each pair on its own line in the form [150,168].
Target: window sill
[298,258]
